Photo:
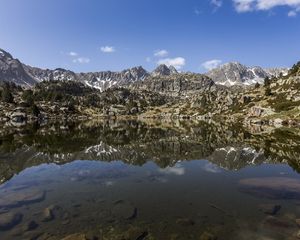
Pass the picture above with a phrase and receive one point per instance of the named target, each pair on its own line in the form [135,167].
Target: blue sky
[194,35]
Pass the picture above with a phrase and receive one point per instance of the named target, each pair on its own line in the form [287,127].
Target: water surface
[134,180]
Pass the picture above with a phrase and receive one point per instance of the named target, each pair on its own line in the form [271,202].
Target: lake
[149,180]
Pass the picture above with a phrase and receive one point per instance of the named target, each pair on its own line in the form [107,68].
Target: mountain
[164,70]
[107,79]
[99,80]
[12,70]
[235,73]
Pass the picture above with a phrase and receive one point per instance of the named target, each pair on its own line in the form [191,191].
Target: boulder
[18,115]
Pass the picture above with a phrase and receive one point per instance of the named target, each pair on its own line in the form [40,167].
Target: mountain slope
[12,70]
[235,73]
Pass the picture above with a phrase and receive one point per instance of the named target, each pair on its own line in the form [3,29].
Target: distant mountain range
[12,70]
[235,73]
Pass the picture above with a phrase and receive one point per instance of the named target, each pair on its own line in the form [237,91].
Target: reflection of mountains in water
[136,143]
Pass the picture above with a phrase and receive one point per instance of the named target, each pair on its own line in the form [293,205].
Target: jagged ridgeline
[232,91]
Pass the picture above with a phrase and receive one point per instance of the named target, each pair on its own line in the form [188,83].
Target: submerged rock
[298,222]
[278,224]
[185,222]
[19,198]
[32,225]
[271,187]
[76,236]
[10,220]
[52,212]
[270,209]
[47,215]
[207,236]
[124,210]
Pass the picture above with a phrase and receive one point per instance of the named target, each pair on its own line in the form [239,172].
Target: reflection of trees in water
[133,142]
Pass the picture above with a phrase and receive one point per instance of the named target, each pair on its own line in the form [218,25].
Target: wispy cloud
[148,59]
[211,64]
[216,3]
[177,62]
[76,58]
[108,49]
[292,13]
[197,11]
[73,54]
[242,6]
[161,53]
[81,60]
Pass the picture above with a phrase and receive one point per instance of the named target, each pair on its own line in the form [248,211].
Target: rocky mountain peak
[12,70]
[173,70]
[135,73]
[164,70]
[4,54]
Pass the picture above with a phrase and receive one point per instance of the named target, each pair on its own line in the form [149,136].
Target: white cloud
[217,3]
[81,60]
[108,49]
[211,64]
[161,53]
[265,5]
[178,62]
[292,13]
[73,54]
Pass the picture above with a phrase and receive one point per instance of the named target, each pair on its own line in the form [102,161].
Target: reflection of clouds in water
[84,173]
[109,183]
[178,170]
[209,167]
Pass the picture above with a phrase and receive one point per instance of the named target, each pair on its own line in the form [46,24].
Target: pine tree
[7,95]
[35,110]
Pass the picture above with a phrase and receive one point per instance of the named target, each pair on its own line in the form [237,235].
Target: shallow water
[130,180]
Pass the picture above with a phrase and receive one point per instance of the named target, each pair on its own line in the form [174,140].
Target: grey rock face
[100,80]
[107,79]
[12,70]
[58,74]
[235,73]
[276,72]
[183,84]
